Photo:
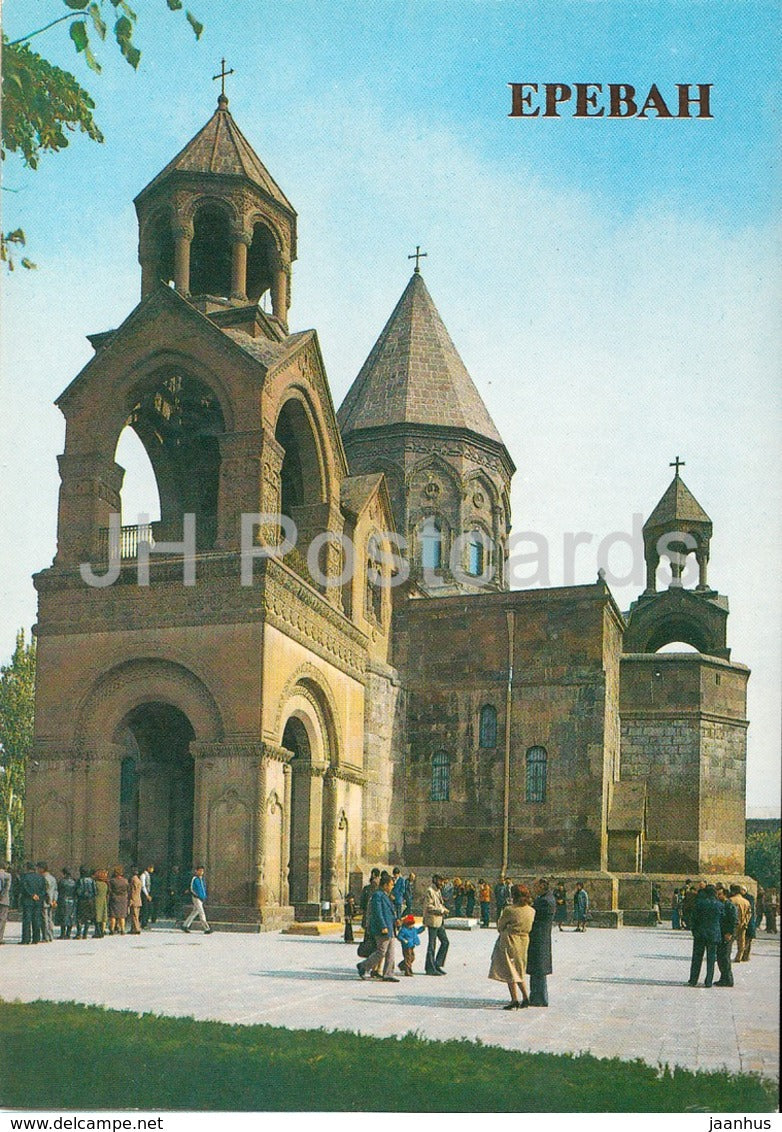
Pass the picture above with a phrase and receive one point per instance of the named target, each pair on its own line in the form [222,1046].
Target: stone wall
[457,663]
[684,734]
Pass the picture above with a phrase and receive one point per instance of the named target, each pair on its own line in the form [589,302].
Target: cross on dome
[417,255]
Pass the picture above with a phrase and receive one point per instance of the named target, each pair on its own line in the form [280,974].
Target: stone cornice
[349,774]
[654,715]
[229,749]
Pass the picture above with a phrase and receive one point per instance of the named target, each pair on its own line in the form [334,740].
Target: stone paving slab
[615,994]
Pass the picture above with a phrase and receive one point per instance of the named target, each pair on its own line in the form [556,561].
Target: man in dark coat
[539,954]
[33,894]
[706,926]
[367,892]
[730,918]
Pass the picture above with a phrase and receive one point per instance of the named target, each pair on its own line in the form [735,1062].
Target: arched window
[487,727]
[441,777]
[432,544]
[536,774]
[476,554]
[210,253]
[374,596]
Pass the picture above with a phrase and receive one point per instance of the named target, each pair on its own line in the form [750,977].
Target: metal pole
[508,704]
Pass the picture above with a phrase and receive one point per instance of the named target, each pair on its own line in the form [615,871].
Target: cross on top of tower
[418,255]
[677,463]
[222,77]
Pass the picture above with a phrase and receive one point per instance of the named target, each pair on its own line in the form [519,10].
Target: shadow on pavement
[451,1003]
[635,982]
[316,975]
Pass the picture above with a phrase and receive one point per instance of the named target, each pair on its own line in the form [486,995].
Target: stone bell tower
[216,225]
[684,713]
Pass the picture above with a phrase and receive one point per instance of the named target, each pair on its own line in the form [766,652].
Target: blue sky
[613,287]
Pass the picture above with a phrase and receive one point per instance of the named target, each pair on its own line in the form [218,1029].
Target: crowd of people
[724,920]
[766,906]
[466,898]
[97,900]
[525,919]
[720,916]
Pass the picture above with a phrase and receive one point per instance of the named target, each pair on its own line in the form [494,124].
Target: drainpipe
[506,786]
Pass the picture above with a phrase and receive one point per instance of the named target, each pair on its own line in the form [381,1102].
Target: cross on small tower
[222,77]
[677,463]
[417,256]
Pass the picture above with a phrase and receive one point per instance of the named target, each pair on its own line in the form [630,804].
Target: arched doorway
[156,788]
[296,739]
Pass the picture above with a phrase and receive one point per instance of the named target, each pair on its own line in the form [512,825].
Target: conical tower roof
[678,505]
[414,375]
[221,148]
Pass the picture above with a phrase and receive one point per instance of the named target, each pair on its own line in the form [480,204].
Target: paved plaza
[614,993]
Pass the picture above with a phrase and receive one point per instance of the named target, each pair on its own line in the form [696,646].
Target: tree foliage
[43,104]
[762,857]
[17,685]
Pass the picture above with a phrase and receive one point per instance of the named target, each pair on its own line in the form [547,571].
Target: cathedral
[312,662]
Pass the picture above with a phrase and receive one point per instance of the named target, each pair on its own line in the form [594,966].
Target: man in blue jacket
[706,925]
[382,925]
[198,896]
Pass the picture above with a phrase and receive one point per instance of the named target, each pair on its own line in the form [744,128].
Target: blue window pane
[488,726]
[441,777]
[431,546]
[536,774]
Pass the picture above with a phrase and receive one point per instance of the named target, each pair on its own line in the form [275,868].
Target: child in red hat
[408,936]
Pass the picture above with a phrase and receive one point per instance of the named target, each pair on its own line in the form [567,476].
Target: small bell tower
[216,226]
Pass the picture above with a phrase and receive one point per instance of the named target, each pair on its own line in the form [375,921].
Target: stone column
[102,807]
[702,559]
[652,562]
[286,836]
[200,817]
[240,242]
[240,484]
[329,884]
[261,891]
[279,294]
[183,236]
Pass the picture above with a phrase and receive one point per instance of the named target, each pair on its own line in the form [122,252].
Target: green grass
[49,1051]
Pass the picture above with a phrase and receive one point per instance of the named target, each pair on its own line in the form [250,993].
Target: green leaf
[16,237]
[174,5]
[97,20]
[123,30]
[78,33]
[28,263]
[77,5]
[92,62]
[195,24]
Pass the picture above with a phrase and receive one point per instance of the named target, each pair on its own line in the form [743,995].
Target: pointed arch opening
[303,489]
[139,495]
[210,252]
[157,784]
[262,264]
[179,421]
[159,249]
